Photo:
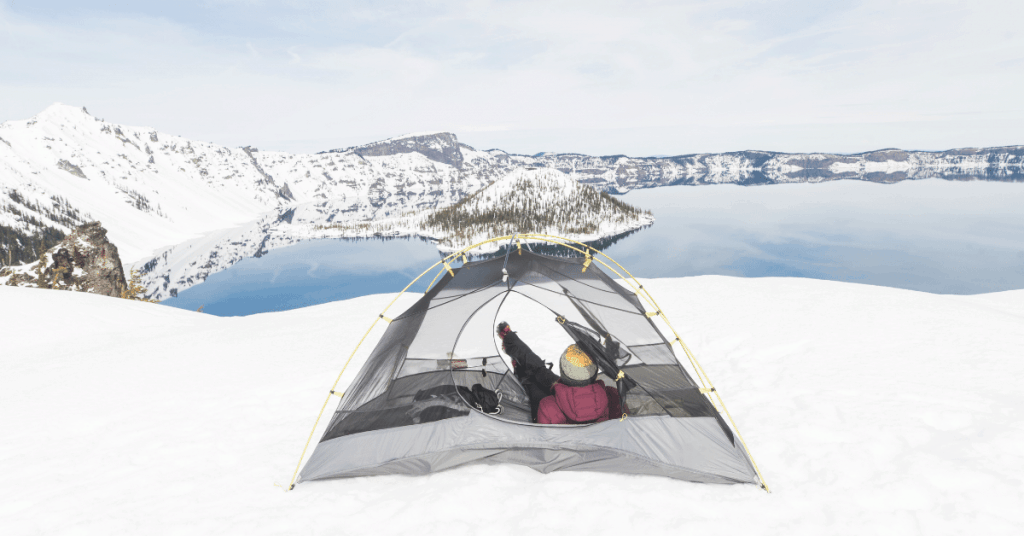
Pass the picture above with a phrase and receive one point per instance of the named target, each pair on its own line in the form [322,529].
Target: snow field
[869,410]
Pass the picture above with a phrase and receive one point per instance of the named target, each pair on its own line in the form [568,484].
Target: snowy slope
[870,410]
[148,188]
[153,190]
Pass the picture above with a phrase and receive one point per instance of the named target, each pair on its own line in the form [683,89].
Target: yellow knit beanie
[576,367]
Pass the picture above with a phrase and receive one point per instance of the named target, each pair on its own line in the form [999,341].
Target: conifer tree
[134,290]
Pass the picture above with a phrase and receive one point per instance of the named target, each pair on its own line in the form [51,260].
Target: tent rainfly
[405,413]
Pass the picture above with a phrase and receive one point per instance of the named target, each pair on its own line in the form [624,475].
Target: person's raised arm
[520,353]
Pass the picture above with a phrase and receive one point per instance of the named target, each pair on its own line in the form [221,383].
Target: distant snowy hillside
[542,201]
[526,200]
[619,174]
[870,410]
[181,209]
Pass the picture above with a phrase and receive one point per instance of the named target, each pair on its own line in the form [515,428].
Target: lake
[950,237]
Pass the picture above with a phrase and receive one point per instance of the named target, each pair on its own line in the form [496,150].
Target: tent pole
[295,475]
[316,423]
[701,374]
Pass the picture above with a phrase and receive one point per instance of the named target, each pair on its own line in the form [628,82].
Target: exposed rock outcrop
[441,147]
[85,261]
[71,168]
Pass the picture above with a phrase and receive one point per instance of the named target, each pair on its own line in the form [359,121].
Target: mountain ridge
[182,209]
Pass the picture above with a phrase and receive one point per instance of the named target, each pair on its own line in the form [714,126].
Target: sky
[640,78]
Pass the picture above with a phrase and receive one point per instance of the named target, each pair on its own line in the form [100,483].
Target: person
[575,396]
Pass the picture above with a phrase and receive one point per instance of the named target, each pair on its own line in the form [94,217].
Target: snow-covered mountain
[525,200]
[530,200]
[151,190]
[182,209]
[619,174]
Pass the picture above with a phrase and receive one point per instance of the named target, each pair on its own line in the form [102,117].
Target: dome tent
[407,410]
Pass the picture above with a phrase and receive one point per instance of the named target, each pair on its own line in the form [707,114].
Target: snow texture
[870,410]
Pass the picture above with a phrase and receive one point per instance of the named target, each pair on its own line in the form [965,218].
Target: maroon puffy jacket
[575,405]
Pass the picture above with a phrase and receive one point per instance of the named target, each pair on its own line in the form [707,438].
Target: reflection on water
[931,235]
[311,273]
[555,250]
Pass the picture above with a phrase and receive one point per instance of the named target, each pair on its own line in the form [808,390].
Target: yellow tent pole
[639,290]
[701,374]
[698,369]
[552,238]
[636,290]
[444,261]
[432,281]
[291,485]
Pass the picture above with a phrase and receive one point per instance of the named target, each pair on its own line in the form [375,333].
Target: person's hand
[503,329]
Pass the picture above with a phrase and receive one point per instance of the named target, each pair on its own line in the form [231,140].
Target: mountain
[526,200]
[84,261]
[619,174]
[181,209]
[64,167]
[543,201]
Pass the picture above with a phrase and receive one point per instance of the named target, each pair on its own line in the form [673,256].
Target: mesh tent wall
[403,413]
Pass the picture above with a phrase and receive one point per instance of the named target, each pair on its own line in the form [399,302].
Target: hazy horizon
[599,78]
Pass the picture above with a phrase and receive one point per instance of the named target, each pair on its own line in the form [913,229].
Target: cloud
[599,77]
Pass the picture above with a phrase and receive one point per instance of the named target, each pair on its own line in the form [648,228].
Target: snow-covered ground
[869,410]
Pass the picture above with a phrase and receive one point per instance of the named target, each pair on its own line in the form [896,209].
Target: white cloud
[597,77]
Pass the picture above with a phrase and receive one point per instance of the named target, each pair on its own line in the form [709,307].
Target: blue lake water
[932,235]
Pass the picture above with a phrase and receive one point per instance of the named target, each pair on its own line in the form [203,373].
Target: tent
[407,411]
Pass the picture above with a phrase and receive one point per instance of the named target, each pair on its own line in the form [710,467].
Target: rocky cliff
[84,261]
[442,147]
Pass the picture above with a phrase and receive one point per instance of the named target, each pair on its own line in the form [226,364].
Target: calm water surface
[933,236]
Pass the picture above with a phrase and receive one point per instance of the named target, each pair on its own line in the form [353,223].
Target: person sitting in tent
[574,397]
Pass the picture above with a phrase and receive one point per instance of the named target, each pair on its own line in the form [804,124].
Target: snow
[870,410]
[550,191]
[192,188]
[415,135]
